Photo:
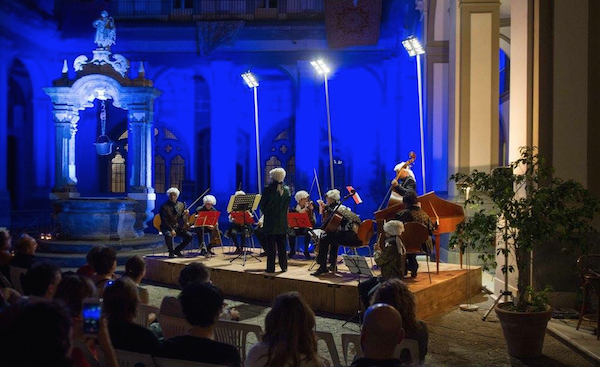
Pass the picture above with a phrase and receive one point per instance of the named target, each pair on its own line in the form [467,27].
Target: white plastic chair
[173,326]
[15,277]
[354,340]
[143,314]
[413,347]
[132,359]
[328,339]
[168,362]
[236,334]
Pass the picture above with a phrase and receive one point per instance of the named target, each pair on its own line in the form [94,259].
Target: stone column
[4,194]
[140,158]
[474,140]
[65,177]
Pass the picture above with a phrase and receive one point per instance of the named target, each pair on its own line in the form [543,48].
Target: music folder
[242,218]
[299,220]
[210,218]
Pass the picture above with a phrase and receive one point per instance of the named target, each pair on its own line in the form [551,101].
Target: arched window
[159,174]
[177,171]
[272,163]
[117,173]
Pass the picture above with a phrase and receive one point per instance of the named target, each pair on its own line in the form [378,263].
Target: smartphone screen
[92,310]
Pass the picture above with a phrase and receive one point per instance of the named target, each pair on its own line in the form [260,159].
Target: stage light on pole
[322,68]
[252,83]
[414,48]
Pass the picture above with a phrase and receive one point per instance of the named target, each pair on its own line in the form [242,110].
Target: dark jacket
[171,214]
[275,208]
[405,186]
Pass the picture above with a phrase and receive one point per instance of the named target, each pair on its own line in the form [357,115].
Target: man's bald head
[381,332]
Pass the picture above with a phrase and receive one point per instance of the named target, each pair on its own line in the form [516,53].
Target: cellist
[405,179]
[346,233]
[172,213]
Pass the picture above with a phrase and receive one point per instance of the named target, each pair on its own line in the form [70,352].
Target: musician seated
[345,234]
[238,230]
[389,259]
[304,206]
[414,213]
[406,180]
[209,202]
[173,215]
[259,232]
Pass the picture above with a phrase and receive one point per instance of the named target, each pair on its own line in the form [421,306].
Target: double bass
[444,214]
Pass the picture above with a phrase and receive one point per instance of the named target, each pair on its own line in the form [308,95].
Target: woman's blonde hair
[289,331]
[395,293]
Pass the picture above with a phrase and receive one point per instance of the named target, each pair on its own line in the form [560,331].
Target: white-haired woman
[390,260]
[208,205]
[275,204]
[345,234]
[406,179]
[304,205]
[172,216]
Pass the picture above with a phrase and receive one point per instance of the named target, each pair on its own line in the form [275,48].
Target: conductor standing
[275,204]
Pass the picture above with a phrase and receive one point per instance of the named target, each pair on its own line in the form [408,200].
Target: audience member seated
[87,270]
[395,293]
[120,305]
[105,264]
[202,304]
[135,268]
[38,335]
[25,248]
[72,291]
[5,255]
[41,282]
[192,273]
[289,339]
[380,334]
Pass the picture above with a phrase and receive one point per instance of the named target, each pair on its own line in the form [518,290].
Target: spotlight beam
[322,68]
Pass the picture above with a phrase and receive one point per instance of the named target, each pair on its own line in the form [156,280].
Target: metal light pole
[251,82]
[414,48]
[322,68]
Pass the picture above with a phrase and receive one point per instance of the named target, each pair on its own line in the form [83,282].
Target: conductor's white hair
[333,194]
[407,168]
[301,195]
[173,190]
[277,174]
[239,192]
[209,199]
[393,227]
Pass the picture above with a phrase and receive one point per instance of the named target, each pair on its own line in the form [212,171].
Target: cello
[187,220]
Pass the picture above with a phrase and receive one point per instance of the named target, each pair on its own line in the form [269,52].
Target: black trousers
[261,237]
[294,234]
[186,237]
[276,246]
[330,244]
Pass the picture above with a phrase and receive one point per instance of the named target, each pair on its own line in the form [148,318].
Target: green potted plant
[518,209]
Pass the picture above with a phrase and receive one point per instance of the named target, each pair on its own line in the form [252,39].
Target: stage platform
[335,293]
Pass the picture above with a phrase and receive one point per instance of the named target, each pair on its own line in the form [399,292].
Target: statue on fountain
[106,32]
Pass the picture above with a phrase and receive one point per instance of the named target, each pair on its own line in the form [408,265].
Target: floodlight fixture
[320,66]
[250,80]
[413,46]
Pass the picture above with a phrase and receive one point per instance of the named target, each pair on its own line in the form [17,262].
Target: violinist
[405,179]
[209,202]
[304,206]
[346,233]
[238,230]
[173,214]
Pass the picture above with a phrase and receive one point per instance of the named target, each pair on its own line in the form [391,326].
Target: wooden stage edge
[334,293]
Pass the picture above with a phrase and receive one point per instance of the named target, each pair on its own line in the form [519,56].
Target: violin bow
[199,197]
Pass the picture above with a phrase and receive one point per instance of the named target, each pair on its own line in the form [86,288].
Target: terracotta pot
[523,331]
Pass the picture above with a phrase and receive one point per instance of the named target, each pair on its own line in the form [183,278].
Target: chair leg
[429,271]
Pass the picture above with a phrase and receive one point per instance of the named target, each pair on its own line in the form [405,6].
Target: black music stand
[203,220]
[358,266]
[244,203]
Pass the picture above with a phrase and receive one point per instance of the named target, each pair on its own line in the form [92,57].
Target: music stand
[238,207]
[206,219]
[299,220]
[358,266]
